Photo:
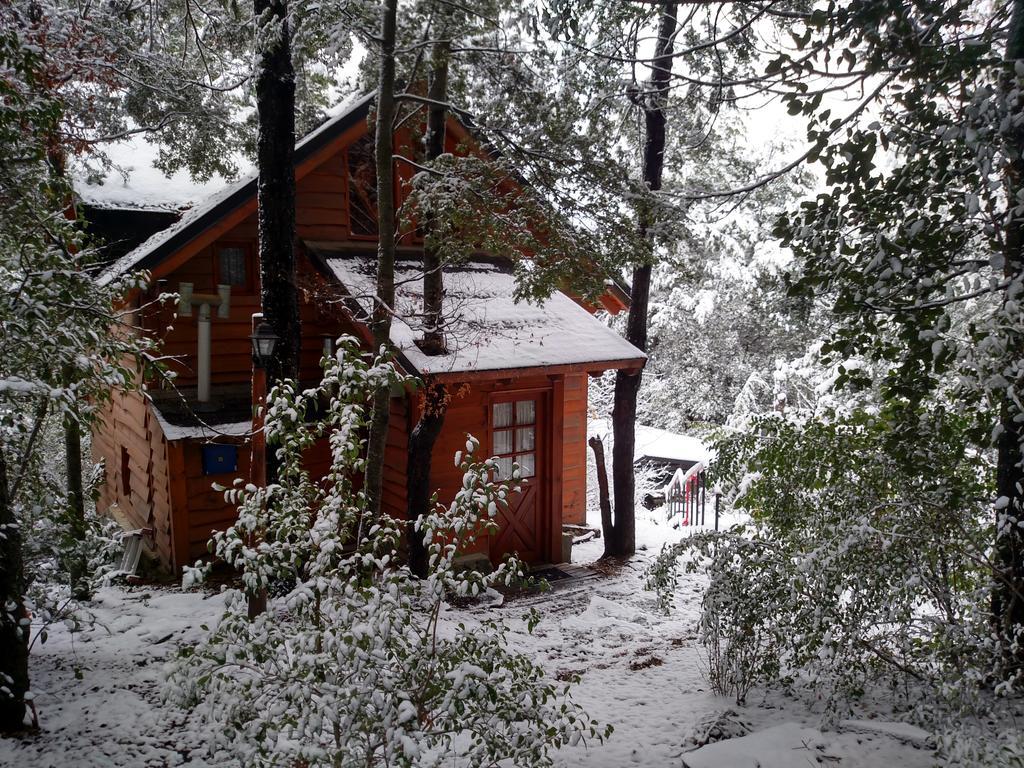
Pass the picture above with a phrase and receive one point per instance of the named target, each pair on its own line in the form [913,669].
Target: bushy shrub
[356,664]
[55,542]
[868,562]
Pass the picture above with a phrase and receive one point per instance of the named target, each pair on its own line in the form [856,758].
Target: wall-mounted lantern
[264,341]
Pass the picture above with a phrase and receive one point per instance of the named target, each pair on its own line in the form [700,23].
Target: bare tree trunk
[622,542]
[1008,595]
[385,300]
[597,446]
[435,397]
[433,275]
[418,491]
[78,564]
[275,106]
[13,617]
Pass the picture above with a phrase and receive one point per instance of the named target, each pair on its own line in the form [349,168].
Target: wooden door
[519,434]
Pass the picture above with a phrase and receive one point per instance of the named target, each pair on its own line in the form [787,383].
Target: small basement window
[515,437]
[126,472]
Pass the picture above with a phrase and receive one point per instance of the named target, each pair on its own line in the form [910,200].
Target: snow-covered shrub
[357,663]
[739,639]
[866,564]
[55,542]
[715,727]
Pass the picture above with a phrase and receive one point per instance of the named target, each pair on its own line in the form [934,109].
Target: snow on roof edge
[494,332]
[132,259]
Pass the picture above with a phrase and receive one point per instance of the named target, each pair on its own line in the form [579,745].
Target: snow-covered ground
[99,703]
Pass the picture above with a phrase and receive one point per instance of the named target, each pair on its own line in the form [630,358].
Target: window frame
[396,182]
[538,398]
[247,249]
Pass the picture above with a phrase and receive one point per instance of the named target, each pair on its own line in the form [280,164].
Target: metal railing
[686,497]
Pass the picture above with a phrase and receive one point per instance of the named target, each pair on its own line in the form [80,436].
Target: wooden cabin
[520,369]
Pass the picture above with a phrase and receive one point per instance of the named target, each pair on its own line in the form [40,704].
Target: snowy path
[98,690]
[640,671]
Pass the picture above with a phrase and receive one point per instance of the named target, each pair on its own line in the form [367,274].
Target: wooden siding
[394,499]
[574,450]
[468,413]
[203,509]
[207,510]
[320,215]
[184,513]
[230,357]
[129,424]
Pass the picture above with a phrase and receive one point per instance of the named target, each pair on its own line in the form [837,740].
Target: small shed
[678,463]
[670,451]
[670,469]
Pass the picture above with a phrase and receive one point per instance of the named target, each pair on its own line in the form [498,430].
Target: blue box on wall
[218,459]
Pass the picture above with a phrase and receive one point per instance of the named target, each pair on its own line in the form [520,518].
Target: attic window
[362,188]
[233,267]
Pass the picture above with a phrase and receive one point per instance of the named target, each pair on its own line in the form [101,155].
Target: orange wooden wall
[184,511]
[320,215]
[468,412]
[204,508]
[574,450]
[129,425]
[394,499]
[169,491]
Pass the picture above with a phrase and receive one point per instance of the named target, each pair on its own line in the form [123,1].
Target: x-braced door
[519,434]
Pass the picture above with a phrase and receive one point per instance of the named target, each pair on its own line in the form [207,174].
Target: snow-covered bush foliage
[863,566]
[56,543]
[66,339]
[717,341]
[355,664]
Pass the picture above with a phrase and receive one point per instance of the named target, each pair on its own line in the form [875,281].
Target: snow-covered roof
[218,203]
[206,430]
[655,443]
[135,183]
[487,329]
[181,418]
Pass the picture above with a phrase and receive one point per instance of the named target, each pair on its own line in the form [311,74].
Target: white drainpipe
[203,393]
[186,300]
